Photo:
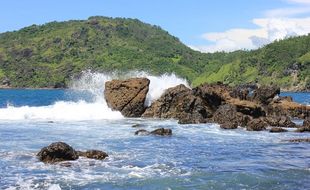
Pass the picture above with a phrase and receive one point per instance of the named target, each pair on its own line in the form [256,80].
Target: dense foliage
[50,55]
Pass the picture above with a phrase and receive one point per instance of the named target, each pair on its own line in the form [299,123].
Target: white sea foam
[95,110]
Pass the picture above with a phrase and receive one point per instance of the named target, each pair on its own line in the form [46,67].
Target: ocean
[200,156]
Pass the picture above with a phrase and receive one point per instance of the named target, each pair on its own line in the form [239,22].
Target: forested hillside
[50,55]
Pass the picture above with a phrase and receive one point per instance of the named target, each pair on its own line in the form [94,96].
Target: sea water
[195,157]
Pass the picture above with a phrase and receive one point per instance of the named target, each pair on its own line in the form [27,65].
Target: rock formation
[127,96]
[57,152]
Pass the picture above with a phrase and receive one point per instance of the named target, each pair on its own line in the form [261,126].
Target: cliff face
[50,55]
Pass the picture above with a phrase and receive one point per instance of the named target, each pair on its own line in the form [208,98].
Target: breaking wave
[95,109]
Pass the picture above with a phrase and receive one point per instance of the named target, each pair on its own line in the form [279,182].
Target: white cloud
[299,1]
[278,24]
[269,29]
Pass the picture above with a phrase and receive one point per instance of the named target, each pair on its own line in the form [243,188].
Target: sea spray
[85,109]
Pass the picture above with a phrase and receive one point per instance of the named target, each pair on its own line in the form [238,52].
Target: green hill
[51,54]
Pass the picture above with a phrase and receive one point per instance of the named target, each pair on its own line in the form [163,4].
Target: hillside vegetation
[50,55]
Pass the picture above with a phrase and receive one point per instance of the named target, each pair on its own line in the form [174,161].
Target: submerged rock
[127,96]
[277,130]
[179,103]
[142,132]
[57,152]
[160,132]
[93,154]
[299,140]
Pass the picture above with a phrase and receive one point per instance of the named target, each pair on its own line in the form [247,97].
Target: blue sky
[205,25]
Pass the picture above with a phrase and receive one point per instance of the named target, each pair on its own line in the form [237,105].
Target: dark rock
[283,121]
[162,132]
[127,96]
[93,154]
[228,113]
[229,125]
[240,92]
[299,140]
[214,94]
[256,125]
[179,103]
[265,94]
[57,152]
[277,130]
[142,132]
[137,125]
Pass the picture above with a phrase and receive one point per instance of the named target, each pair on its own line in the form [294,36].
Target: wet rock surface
[93,154]
[277,130]
[159,132]
[57,152]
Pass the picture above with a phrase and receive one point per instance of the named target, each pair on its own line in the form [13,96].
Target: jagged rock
[142,132]
[242,91]
[229,125]
[160,132]
[277,130]
[283,121]
[265,94]
[228,113]
[179,103]
[299,140]
[93,154]
[256,125]
[57,152]
[127,96]
[214,94]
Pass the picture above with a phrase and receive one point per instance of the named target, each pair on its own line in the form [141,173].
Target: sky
[204,25]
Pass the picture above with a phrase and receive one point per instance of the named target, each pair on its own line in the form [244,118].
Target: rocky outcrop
[93,154]
[159,132]
[256,125]
[127,96]
[180,103]
[283,121]
[265,94]
[57,152]
[229,118]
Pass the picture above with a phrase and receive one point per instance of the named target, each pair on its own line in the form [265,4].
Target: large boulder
[179,103]
[57,152]
[127,96]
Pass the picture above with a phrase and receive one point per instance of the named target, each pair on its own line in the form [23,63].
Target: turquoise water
[194,157]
